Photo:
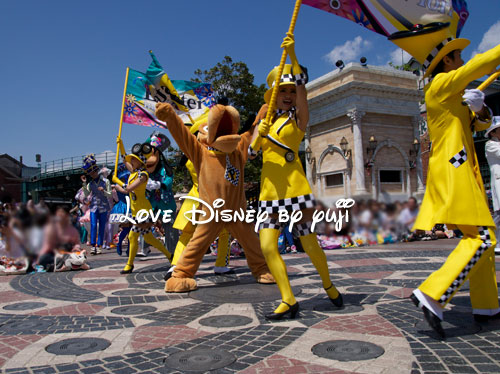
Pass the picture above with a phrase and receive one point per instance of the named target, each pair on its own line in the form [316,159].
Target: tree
[404,67]
[181,180]
[234,80]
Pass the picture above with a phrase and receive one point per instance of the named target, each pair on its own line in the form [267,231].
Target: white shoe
[144,253]
[220,270]
[497,250]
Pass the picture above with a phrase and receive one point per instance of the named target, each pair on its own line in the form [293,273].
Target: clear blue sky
[63,62]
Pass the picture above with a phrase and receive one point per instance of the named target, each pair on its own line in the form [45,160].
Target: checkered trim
[294,203]
[455,285]
[271,223]
[285,78]
[302,229]
[300,79]
[141,231]
[232,174]
[298,230]
[434,53]
[252,152]
[459,158]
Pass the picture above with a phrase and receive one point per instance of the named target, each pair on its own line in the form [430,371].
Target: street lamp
[415,147]
[343,145]
[372,145]
[340,64]
[308,153]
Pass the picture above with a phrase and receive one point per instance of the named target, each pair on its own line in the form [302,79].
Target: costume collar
[215,150]
[290,112]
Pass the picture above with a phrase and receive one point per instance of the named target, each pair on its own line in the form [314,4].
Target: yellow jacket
[455,193]
[181,221]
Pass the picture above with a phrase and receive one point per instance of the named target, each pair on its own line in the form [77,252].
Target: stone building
[362,141]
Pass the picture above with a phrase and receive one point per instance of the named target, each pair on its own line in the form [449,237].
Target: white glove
[152,185]
[474,99]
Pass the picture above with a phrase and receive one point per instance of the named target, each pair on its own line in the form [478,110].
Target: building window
[390,176]
[335,180]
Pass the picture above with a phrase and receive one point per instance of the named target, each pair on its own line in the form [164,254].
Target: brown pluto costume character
[219,158]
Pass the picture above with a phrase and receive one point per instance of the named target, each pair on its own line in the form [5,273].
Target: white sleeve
[152,185]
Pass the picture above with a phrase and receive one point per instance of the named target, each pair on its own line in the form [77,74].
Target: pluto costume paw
[180,285]
[266,278]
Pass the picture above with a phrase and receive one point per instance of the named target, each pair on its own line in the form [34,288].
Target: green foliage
[234,80]
[182,180]
[405,67]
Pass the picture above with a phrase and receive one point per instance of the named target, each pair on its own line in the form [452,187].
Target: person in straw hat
[136,189]
[492,150]
[284,185]
[455,194]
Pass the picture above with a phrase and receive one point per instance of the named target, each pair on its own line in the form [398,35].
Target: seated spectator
[409,214]
[61,238]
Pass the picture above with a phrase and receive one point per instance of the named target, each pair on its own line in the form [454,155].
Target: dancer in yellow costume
[136,189]
[187,228]
[284,185]
[455,193]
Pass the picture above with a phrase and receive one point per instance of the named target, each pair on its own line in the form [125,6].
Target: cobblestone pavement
[99,321]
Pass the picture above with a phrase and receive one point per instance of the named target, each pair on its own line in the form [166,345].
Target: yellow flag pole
[115,177]
[274,95]
[489,81]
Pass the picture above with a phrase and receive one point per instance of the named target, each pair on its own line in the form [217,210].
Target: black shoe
[338,301]
[415,301]
[292,309]
[481,318]
[127,271]
[433,320]
[168,275]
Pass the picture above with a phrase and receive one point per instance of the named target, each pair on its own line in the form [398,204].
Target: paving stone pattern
[216,329]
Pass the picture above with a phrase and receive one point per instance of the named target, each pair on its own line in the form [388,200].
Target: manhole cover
[24,306]
[230,320]
[78,346]
[327,307]
[367,289]
[417,274]
[130,292]
[347,350]
[199,360]
[414,259]
[239,293]
[27,325]
[131,310]
[103,280]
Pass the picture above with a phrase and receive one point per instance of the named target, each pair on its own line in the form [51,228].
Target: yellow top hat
[428,44]
[286,78]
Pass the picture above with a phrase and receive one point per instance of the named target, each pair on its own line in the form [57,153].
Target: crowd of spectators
[372,222]
[34,238]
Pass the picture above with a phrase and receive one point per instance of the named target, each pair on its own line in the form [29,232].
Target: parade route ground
[99,321]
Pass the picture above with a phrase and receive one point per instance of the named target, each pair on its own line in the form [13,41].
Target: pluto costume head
[218,158]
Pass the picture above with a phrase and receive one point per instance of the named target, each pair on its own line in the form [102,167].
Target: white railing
[74,164]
